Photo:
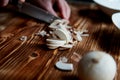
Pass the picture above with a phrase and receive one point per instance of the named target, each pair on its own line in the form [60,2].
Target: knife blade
[35,12]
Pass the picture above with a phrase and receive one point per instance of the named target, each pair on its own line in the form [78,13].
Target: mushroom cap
[97,65]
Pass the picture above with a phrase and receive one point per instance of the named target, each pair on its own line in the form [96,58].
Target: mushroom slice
[55,24]
[63,34]
[55,41]
[42,33]
[78,37]
[67,46]
[58,23]
[23,38]
[64,66]
[55,45]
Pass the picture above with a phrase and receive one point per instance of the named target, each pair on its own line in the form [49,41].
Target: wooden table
[15,55]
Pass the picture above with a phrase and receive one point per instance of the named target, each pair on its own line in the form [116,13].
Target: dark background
[82,0]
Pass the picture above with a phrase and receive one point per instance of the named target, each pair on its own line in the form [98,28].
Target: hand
[61,5]
[5,2]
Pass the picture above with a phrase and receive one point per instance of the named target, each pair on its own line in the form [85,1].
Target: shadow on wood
[96,16]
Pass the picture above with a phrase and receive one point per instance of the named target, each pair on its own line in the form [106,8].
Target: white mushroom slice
[68,27]
[54,45]
[58,23]
[67,46]
[64,66]
[78,37]
[63,21]
[58,20]
[85,30]
[50,32]
[54,25]
[63,35]
[23,38]
[42,33]
[63,27]
[55,41]
[84,34]
[75,43]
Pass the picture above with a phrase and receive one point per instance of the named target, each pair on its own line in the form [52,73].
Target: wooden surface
[15,55]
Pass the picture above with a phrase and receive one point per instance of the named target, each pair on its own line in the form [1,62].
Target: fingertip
[66,15]
[64,9]
[22,0]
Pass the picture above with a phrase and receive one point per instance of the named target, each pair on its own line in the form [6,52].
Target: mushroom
[63,65]
[97,65]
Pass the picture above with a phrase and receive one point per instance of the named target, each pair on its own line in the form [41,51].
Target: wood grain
[17,63]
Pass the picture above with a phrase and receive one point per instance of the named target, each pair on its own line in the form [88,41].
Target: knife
[33,11]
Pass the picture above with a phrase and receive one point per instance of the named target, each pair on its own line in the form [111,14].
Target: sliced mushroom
[55,41]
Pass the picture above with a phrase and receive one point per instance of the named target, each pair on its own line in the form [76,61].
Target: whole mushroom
[97,65]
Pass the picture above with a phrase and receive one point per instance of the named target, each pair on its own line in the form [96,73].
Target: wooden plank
[15,55]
